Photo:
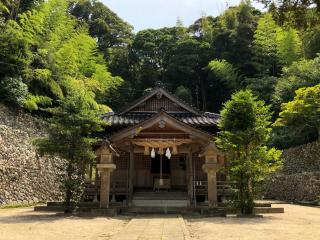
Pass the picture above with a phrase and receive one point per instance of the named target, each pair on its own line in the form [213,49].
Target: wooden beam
[163,133]
[181,149]
[190,176]
[131,173]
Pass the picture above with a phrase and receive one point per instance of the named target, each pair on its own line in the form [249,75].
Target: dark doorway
[155,165]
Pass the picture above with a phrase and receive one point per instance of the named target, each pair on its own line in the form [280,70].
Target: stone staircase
[160,199]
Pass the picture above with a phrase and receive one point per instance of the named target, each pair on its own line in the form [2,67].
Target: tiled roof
[206,119]
[161,91]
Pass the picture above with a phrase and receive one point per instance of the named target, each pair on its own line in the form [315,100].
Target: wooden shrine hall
[160,148]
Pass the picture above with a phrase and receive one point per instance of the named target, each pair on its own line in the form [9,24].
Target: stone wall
[25,177]
[299,179]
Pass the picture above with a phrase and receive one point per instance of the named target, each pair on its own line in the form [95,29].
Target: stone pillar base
[211,170]
[105,171]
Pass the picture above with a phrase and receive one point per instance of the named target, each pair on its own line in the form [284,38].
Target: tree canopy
[53,49]
[245,128]
[53,56]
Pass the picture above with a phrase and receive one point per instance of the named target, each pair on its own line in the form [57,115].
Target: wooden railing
[92,189]
[121,188]
[224,188]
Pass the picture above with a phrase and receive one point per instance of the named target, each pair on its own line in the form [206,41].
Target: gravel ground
[25,224]
[298,222]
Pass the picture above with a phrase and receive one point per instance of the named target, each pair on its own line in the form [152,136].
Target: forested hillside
[50,50]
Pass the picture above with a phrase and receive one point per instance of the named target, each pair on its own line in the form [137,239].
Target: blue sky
[144,14]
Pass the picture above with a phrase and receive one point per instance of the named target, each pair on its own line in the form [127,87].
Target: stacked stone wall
[25,177]
[299,179]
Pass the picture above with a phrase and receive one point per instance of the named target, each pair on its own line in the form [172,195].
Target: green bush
[13,90]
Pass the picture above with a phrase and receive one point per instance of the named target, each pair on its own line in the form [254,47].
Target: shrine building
[159,151]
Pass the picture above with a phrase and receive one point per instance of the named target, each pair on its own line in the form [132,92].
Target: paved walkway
[154,228]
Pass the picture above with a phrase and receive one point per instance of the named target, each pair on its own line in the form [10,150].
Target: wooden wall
[142,170]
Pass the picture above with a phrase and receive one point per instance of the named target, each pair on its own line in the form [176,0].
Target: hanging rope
[160,142]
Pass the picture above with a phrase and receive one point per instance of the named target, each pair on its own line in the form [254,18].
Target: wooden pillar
[105,168]
[190,176]
[131,173]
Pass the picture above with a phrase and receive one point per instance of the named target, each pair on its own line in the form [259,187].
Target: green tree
[184,94]
[222,79]
[150,52]
[265,45]
[288,46]
[301,14]
[12,8]
[186,67]
[13,91]
[104,25]
[303,112]
[54,56]
[235,30]
[226,72]
[262,87]
[304,73]
[245,129]
[70,138]
[310,42]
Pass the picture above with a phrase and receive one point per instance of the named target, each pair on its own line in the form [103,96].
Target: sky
[144,14]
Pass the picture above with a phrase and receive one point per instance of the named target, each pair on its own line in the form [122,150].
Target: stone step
[268,210]
[185,211]
[160,203]
[81,204]
[49,208]
[160,196]
[153,210]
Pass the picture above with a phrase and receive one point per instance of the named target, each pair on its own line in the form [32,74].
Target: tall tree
[70,138]
[310,42]
[49,52]
[263,87]
[11,9]
[265,45]
[223,79]
[186,67]
[236,27]
[302,14]
[245,129]
[104,25]
[288,46]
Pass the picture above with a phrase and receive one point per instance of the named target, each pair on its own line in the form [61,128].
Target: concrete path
[154,228]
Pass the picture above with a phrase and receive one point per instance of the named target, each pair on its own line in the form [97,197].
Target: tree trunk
[241,194]
[249,198]
[68,188]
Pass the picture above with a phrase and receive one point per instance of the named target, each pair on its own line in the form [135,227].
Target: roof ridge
[211,114]
[145,95]
[163,112]
[170,95]
[181,100]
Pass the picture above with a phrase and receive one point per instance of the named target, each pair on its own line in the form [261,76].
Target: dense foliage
[49,53]
[52,49]
[303,112]
[245,128]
